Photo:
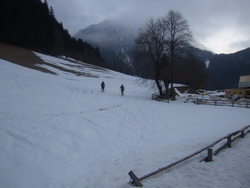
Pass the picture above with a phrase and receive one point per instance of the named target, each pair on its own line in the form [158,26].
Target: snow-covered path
[62,131]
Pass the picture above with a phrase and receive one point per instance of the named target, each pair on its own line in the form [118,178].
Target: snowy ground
[61,131]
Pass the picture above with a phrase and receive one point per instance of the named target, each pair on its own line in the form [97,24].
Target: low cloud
[206,17]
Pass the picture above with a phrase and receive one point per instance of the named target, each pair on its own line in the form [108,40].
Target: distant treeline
[31,24]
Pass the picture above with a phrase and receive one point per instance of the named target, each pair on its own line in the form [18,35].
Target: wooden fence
[135,181]
[216,102]
[220,102]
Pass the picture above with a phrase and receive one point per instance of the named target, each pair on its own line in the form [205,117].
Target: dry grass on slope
[21,57]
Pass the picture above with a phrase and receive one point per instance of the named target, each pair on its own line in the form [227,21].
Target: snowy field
[61,131]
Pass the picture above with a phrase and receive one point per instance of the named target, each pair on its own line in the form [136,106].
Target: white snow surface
[61,131]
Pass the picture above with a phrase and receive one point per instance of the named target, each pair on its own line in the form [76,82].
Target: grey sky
[222,26]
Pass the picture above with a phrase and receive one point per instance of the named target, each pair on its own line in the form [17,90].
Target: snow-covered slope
[62,131]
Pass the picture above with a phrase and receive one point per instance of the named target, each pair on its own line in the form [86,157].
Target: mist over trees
[162,53]
[115,41]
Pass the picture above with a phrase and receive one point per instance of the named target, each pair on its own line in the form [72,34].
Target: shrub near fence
[135,181]
[156,96]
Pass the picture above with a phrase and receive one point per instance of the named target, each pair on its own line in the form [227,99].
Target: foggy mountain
[114,40]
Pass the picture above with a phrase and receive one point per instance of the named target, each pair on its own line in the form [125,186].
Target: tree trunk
[158,86]
[172,70]
[157,80]
[166,84]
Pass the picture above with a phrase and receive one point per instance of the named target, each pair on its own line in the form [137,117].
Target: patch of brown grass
[21,57]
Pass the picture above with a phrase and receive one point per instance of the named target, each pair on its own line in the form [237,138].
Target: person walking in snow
[122,89]
[102,86]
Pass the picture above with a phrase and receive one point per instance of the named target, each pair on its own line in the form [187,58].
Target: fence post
[134,180]
[242,134]
[229,141]
[209,155]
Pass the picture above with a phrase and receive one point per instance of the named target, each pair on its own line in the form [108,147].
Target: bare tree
[151,46]
[159,43]
[178,36]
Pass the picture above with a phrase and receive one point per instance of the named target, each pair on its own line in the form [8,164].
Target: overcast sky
[222,26]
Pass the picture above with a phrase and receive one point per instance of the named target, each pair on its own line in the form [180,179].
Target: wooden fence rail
[134,180]
[218,102]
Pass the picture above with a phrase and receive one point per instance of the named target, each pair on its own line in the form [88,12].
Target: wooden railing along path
[135,181]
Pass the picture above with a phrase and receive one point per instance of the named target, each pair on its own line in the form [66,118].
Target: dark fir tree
[31,24]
